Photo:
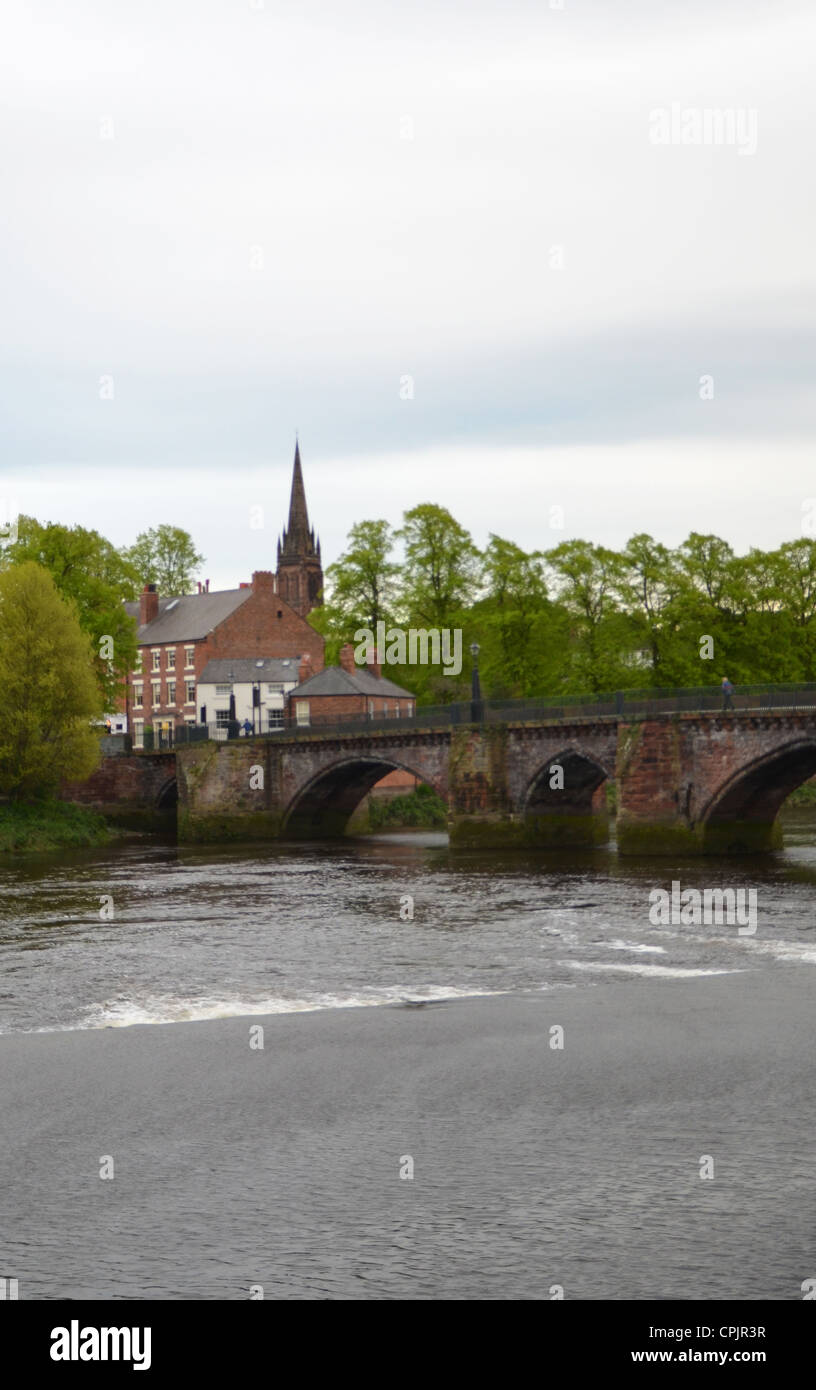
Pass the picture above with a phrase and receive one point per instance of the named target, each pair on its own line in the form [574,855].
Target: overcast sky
[225,220]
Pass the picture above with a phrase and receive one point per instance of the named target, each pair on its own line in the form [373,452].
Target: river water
[281,1169]
[200,933]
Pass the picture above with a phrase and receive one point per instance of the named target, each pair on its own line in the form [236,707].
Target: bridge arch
[740,818]
[167,798]
[322,807]
[563,802]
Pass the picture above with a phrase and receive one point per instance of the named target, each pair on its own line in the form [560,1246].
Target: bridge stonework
[135,789]
[686,783]
[710,784]
[495,778]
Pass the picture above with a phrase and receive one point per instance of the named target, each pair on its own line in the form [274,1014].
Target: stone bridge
[686,783]
[132,789]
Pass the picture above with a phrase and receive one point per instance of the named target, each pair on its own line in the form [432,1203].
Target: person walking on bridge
[727,694]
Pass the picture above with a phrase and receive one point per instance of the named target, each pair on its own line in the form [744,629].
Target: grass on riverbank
[421,808]
[802,796]
[32,826]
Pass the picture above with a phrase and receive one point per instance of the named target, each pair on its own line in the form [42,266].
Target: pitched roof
[334,680]
[242,670]
[188,618]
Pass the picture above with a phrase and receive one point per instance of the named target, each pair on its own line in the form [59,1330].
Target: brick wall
[264,625]
[325,708]
[126,788]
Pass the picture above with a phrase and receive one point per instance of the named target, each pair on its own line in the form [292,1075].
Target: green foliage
[48,692]
[165,556]
[363,579]
[440,573]
[422,807]
[96,578]
[46,825]
[582,618]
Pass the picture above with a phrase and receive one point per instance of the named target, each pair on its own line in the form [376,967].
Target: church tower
[300,574]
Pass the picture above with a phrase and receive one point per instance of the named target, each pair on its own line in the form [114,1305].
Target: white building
[272,677]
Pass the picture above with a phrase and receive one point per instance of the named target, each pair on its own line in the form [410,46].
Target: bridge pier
[667,769]
[564,808]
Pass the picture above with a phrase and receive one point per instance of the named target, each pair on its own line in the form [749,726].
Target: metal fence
[620,704]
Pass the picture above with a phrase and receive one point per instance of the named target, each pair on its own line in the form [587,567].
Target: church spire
[299,573]
[298,539]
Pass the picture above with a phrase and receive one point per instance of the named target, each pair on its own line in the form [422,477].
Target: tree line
[574,618]
[578,617]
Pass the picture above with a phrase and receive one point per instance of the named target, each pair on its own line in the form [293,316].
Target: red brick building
[266,618]
[346,691]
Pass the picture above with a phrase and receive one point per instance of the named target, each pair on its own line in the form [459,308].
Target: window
[138,733]
[137,665]
[171,658]
[138,695]
[189,657]
[274,719]
[156,688]
[223,690]
[385,709]
[171,692]
[301,711]
[396,709]
[371,709]
[222,717]
[189,697]
[275,689]
[156,660]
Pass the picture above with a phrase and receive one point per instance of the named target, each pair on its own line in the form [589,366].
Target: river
[151,932]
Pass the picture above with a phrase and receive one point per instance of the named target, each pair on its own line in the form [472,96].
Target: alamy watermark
[713,907]
[704,125]
[416,647]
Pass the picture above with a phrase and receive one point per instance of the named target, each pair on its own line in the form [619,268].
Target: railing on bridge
[617,704]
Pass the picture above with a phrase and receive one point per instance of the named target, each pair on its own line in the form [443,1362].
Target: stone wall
[130,789]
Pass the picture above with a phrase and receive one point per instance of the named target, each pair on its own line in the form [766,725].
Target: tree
[363,580]
[587,577]
[510,618]
[646,586]
[166,556]
[96,578]
[48,692]
[440,573]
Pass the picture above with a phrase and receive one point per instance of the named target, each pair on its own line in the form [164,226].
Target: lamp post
[476,705]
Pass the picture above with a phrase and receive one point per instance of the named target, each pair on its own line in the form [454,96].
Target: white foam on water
[125,1013]
[791,952]
[656,972]
[636,947]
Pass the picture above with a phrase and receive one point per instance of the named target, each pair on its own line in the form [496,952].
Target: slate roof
[334,680]
[242,670]
[189,618]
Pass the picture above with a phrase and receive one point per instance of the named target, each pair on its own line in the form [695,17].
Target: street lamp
[476,705]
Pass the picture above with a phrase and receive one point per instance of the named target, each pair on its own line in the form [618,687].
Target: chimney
[206,586]
[148,604]
[347,659]
[373,667]
[244,586]
[263,579]
[305,669]
[199,586]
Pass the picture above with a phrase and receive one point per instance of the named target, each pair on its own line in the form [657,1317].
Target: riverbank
[532,1165]
[34,827]
[421,809]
